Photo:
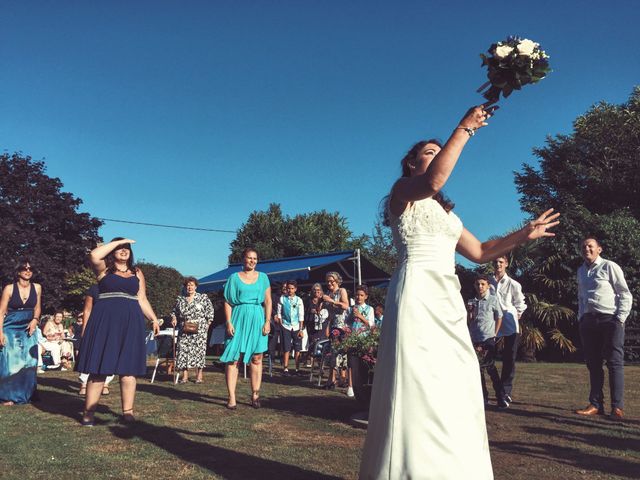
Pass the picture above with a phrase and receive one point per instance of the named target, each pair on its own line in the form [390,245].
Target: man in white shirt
[604,303]
[511,298]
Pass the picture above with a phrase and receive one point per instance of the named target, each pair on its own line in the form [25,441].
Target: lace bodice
[426,234]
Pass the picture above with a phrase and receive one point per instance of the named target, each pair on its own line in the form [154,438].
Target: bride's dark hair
[412,154]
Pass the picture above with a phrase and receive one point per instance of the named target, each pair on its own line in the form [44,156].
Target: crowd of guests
[259,322]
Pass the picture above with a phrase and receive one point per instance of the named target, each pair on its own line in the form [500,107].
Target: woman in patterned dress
[192,347]
[336,301]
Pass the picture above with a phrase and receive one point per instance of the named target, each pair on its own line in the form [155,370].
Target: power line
[167,226]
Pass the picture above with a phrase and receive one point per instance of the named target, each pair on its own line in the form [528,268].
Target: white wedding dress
[426,419]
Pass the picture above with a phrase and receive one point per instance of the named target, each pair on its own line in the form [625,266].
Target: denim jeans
[602,338]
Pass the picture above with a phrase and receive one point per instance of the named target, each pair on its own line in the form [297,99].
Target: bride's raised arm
[470,247]
[431,167]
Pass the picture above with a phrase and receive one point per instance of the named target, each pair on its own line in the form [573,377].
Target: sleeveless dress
[19,356]
[247,318]
[113,342]
[426,419]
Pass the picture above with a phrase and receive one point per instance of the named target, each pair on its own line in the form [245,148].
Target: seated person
[55,342]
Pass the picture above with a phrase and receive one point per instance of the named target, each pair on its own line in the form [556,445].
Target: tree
[380,248]
[42,222]
[76,286]
[164,284]
[591,176]
[275,235]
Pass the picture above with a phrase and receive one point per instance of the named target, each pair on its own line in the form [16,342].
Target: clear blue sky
[197,113]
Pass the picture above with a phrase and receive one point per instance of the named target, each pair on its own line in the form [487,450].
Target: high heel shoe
[255,399]
[128,417]
[87,418]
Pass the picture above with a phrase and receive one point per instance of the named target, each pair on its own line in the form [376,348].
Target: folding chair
[165,341]
[321,351]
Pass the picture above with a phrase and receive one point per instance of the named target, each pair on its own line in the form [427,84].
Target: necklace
[24,296]
[122,271]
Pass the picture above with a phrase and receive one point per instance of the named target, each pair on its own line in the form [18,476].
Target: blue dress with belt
[19,355]
[113,342]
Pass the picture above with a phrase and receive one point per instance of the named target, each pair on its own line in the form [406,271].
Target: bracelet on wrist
[470,131]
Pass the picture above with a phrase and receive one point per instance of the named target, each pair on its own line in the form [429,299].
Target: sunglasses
[26,269]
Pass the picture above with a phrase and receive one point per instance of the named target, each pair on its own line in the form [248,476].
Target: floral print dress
[192,347]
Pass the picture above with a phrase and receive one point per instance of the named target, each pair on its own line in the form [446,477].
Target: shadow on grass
[570,418]
[593,439]
[68,404]
[322,406]
[220,461]
[574,457]
[178,392]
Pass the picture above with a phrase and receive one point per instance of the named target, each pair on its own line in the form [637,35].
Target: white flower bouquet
[511,64]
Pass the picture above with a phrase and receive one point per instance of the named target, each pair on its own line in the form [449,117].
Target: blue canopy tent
[306,270]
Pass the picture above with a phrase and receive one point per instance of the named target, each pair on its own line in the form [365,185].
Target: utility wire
[167,226]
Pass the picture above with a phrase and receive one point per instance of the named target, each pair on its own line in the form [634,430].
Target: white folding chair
[165,341]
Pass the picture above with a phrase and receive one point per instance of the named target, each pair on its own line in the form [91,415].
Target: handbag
[190,327]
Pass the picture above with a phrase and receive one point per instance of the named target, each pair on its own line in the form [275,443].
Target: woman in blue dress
[19,315]
[113,341]
[247,308]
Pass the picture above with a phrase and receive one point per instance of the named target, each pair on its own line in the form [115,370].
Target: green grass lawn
[301,432]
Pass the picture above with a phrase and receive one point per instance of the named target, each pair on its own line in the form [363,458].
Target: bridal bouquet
[511,64]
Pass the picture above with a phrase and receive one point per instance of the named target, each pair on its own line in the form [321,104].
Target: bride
[426,418]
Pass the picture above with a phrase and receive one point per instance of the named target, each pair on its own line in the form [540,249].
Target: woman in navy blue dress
[113,341]
[19,315]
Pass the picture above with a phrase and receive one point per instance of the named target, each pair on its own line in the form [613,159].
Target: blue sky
[197,113]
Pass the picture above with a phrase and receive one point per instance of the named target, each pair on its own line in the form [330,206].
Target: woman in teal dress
[247,308]
[19,315]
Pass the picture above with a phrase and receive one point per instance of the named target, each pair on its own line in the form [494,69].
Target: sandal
[127,416]
[182,382]
[105,390]
[88,419]
[231,407]
[255,399]
[198,380]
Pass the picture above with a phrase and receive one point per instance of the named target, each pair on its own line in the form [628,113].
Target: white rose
[526,47]
[503,50]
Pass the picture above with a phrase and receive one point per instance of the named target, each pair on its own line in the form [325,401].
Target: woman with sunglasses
[19,316]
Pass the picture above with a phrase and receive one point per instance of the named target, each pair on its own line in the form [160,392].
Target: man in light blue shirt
[604,303]
[485,318]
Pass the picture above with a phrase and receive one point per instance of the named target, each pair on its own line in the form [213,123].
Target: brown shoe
[617,414]
[590,410]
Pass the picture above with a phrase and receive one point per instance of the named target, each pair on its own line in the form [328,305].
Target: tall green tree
[380,248]
[164,284]
[592,176]
[275,235]
[39,220]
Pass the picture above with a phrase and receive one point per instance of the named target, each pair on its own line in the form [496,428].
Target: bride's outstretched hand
[540,226]
[476,117]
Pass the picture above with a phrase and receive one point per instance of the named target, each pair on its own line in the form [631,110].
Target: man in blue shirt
[485,318]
